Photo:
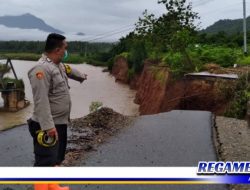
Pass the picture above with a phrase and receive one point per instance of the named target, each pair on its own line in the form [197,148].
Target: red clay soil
[151,91]
[155,97]
[158,92]
[194,95]
[120,69]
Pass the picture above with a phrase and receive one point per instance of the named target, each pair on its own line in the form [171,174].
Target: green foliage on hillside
[79,52]
[222,39]
[238,107]
[174,31]
[173,40]
[228,26]
[220,55]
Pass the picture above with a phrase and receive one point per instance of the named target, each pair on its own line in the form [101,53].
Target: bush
[136,56]
[176,63]
[125,54]
[173,59]
[74,58]
[22,56]
[238,107]
[180,63]
[244,60]
[223,56]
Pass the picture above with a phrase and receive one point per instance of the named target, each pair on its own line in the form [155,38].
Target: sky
[104,20]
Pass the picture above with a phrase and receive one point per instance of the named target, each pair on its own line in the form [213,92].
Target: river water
[100,86]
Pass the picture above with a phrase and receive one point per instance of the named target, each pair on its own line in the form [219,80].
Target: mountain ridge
[27,21]
[229,26]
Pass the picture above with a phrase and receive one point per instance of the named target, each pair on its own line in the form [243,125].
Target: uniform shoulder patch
[68,69]
[40,75]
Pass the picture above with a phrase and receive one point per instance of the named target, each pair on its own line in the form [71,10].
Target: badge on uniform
[40,75]
[68,69]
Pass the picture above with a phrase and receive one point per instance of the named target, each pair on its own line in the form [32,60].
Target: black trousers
[49,156]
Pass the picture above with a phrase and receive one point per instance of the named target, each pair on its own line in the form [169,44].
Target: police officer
[52,104]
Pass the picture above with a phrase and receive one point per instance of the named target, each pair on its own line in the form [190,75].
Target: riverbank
[159,91]
[99,87]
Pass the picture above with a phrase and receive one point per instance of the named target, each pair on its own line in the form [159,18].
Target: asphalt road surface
[177,138]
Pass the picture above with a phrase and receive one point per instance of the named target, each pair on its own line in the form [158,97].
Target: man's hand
[85,76]
[52,133]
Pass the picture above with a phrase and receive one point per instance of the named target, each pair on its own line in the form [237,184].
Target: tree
[168,28]
[174,31]
[137,56]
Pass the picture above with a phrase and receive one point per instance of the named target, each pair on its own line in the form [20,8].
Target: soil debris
[90,131]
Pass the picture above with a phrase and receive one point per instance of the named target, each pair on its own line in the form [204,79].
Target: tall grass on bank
[73,58]
[21,56]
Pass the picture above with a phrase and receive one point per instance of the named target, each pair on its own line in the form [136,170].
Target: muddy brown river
[100,86]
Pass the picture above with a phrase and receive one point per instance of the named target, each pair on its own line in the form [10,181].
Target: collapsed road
[176,138]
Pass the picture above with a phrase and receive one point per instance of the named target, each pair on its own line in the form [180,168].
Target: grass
[75,59]
[21,56]
[245,60]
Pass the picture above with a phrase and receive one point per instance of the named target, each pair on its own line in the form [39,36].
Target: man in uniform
[52,104]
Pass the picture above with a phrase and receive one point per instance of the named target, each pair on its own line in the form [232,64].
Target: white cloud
[21,34]
[94,17]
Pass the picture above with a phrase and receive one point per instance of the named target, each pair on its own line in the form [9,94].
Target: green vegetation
[19,84]
[94,106]
[166,38]
[21,56]
[174,41]
[228,26]
[238,107]
[79,52]
[243,60]
[171,40]
[37,47]
[4,69]
[159,74]
[6,80]
[222,38]
[136,56]
[223,56]
[176,63]
[73,58]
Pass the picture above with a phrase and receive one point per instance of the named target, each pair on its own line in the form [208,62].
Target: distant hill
[228,26]
[27,21]
[80,34]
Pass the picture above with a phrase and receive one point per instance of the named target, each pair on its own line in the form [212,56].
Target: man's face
[60,51]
